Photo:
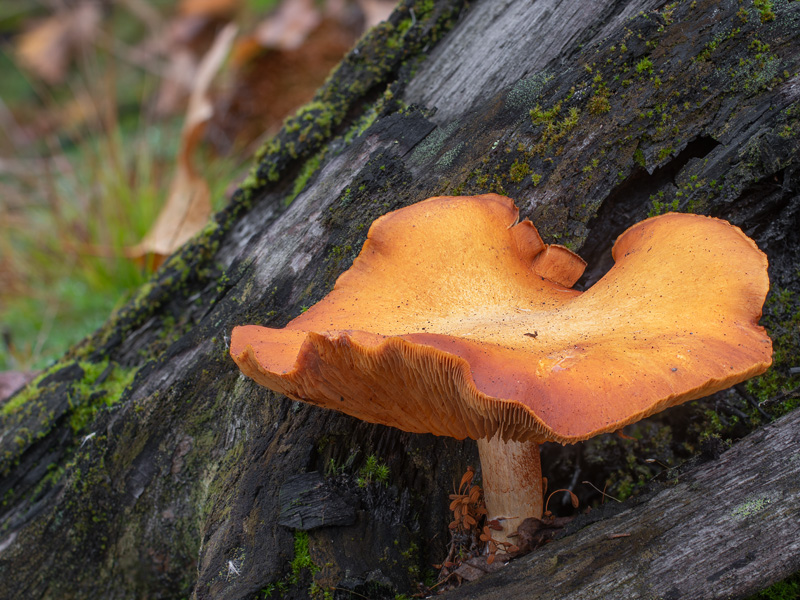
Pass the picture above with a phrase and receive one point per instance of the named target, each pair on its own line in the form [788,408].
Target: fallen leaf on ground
[11,381]
[215,8]
[188,204]
[376,11]
[48,47]
[533,533]
[289,26]
[272,83]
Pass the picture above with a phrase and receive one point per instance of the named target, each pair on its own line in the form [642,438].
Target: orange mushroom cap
[457,320]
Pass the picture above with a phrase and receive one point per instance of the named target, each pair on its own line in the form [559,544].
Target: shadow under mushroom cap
[445,324]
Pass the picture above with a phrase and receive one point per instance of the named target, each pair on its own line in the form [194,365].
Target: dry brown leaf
[182,42]
[11,381]
[245,50]
[47,48]
[289,26]
[533,533]
[376,11]
[209,8]
[270,84]
[188,205]
[176,84]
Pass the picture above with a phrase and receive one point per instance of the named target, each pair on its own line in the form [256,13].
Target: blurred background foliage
[115,148]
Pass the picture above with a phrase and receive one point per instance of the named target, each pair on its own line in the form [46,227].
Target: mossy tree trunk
[144,465]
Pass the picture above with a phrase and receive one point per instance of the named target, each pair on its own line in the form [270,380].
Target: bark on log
[722,530]
[143,465]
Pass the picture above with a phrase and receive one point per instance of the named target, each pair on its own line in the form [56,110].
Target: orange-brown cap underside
[445,324]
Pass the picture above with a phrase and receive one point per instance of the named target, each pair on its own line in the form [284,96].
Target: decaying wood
[309,502]
[724,529]
[590,118]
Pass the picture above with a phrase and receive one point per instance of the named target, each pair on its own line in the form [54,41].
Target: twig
[733,411]
[742,391]
[658,462]
[603,492]
[574,481]
[780,397]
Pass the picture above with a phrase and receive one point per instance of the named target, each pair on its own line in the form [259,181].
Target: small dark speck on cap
[674,369]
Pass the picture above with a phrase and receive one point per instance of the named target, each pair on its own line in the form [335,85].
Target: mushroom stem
[512,483]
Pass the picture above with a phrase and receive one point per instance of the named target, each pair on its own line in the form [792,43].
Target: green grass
[86,195]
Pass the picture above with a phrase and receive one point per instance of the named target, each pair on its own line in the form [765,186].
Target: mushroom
[457,320]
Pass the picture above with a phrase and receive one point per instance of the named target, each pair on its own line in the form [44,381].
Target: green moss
[716,41]
[638,158]
[539,116]
[252,180]
[411,555]
[791,116]
[758,70]
[308,169]
[591,166]
[625,488]
[390,44]
[85,397]
[518,171]
[764,8]
[664,153]
[782,321]
[88,396]
[29,392]
[364,121]
[302,557]
[598,103]
[337,259]
[554,130]
[300,562]
[645,65]
[788,589]
[321,114]
[372,471]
